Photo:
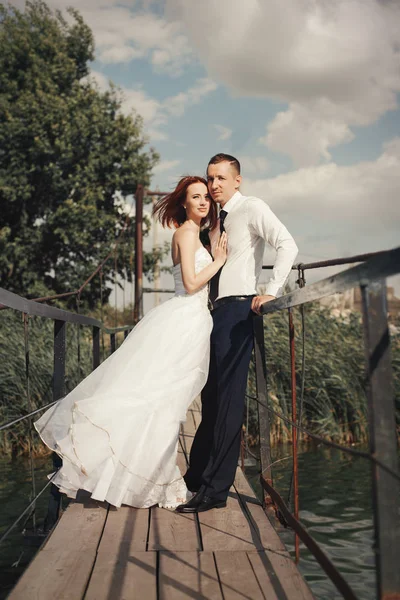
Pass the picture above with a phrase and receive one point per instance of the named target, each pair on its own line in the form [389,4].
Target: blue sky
[304,93]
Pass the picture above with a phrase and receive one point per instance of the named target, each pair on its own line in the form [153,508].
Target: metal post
[263,414]
[59,360]
[138,310]
[30,408]
[112,343]
[53,509]
[96,347]
[383,445]
[294,431]
[126,333]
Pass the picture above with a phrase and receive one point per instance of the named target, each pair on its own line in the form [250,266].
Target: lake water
[15,494]
[335,506]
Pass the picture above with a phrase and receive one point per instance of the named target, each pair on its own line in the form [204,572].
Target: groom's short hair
[221,157]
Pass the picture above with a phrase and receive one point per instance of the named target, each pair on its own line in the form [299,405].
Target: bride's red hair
[170,211]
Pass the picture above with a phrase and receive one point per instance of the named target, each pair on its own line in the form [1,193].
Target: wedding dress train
[117,431]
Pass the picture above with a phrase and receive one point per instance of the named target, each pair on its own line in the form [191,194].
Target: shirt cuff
[272,289]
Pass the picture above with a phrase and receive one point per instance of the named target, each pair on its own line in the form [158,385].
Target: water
[15,494]
[335,506]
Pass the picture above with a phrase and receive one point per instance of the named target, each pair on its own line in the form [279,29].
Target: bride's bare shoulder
[184,235]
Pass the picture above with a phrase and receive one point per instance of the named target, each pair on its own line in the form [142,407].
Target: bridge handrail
[333,262]
[380,266]
[371,278]
[33,308]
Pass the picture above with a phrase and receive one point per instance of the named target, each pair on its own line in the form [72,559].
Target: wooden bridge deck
[99,553]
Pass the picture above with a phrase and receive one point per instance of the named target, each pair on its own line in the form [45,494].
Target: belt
[228,299]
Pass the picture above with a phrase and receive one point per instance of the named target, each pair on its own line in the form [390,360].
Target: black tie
[213,293]
[222,216]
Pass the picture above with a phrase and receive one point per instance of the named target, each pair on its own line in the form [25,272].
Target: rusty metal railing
[370,276]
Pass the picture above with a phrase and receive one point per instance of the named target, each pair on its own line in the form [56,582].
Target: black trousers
[216,446]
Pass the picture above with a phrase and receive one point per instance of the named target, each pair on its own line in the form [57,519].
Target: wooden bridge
[98,552]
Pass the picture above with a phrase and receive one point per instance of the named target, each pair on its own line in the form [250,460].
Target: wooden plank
[278,576]
[267,579]
[184,575]
[125,575]
[61,574]
[125,530]
[228,528]
[196,416]
[189,425]
[236,576]
[196,404]
[172,531]
[79,528]
[67,556]
[261,523]
[181,457]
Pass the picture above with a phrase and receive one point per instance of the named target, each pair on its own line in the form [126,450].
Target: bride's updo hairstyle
[170,210]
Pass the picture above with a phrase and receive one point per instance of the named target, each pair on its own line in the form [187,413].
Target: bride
[117,431]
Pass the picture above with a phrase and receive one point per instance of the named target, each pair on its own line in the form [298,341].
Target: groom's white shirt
[249,224]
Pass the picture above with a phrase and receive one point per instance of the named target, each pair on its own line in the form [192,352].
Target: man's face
[223,182]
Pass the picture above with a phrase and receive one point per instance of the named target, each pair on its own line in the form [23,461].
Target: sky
[305,93]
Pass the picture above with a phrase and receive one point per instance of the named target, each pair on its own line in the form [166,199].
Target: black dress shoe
[200,503]
[191,504]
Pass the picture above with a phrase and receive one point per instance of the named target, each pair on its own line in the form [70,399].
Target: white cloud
[120,54]
[128,30]
[165,165]
[336,210]
[176,105]
[156,113]
[224,132]
[335,63]
[305,132]
[254,164]
[147,107]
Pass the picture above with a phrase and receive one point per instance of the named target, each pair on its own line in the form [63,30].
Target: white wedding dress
[117,431]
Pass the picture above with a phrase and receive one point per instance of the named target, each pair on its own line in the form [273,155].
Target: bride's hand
[220,251]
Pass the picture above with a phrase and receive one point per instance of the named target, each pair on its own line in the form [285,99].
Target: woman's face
[197,201]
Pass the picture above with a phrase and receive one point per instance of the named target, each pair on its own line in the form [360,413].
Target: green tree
[66,153]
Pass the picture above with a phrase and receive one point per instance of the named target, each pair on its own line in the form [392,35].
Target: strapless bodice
[202,259]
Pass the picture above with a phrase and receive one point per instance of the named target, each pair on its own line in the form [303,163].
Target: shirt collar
[232,202]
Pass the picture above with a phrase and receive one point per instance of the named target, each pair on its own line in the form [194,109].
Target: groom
[249,223]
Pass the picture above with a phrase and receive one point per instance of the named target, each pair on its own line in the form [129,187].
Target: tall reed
[13,388]
[334,395]
[335,403]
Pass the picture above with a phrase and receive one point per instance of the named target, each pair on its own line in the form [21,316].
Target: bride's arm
[187,244]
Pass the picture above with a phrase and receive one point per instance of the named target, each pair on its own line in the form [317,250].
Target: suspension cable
[318,438]
[18,519]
